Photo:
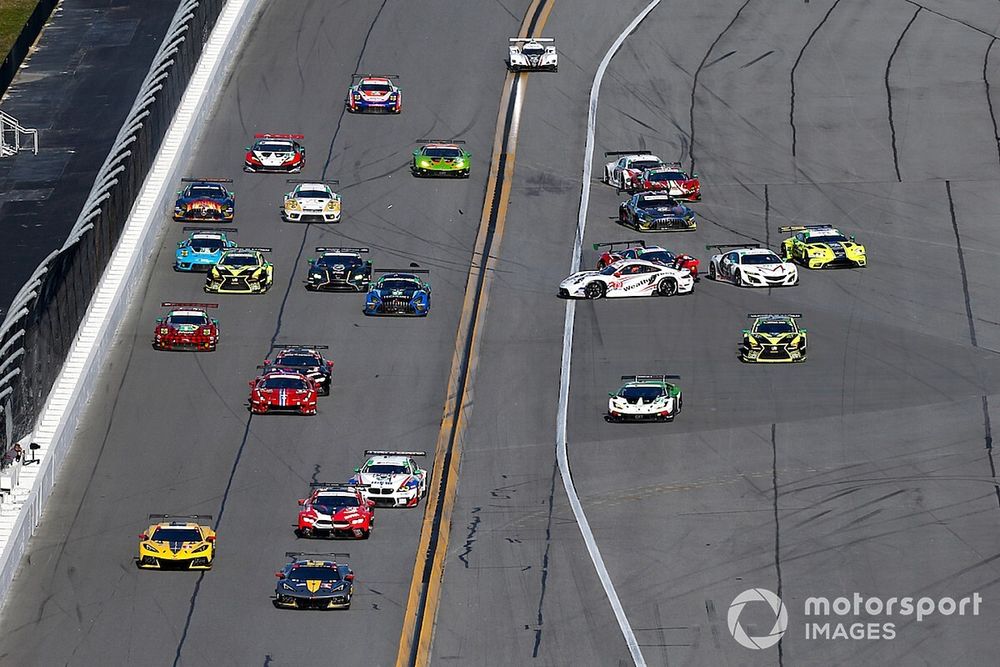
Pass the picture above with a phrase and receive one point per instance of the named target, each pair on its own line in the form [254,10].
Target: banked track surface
[170,433]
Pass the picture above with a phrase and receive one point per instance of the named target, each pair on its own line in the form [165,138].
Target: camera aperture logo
[780,618]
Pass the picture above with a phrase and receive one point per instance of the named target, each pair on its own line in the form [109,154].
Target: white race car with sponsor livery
[275,152]
[374,92]
[311,201]
[629,166]
[627,277]
[750,265]
[532,54]
[645,397]
[391,478]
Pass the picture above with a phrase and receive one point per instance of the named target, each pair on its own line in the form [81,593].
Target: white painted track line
[567,350]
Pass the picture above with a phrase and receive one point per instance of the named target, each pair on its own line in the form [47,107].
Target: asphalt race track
[868,468]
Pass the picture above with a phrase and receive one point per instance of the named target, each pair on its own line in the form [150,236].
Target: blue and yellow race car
[399,292]
[202,249]
[205,199]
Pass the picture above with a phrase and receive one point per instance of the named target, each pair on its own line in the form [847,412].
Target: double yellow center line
[428,571]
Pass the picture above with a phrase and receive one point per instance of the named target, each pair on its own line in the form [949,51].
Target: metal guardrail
[11,133]
[43,317]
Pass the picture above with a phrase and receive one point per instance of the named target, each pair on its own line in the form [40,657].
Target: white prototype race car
[627,277]
[532,54]
[311,201]
[628,167]
[391,478]
[750,265]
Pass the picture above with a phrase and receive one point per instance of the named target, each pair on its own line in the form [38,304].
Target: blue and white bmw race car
[202,249]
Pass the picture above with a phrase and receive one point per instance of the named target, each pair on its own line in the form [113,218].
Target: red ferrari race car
[336,510]
[186,327]
[670,179]
[277,390]
[638,249]
[275,153]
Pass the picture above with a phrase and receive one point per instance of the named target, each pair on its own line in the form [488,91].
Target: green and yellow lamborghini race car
[774,338]
[440,157]
[822,246]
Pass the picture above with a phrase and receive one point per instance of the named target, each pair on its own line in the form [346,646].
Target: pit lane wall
[110,244]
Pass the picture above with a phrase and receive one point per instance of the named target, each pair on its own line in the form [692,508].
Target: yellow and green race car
[441,157]
[822,246]
[241,271]
[773,338]
[177,541]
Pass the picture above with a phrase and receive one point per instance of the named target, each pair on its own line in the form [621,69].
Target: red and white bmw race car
[669,179]
[333,510]
[629,166]
[282,391]
[186,327]
[275,153]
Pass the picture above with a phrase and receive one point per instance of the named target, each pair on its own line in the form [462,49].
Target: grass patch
[13,14]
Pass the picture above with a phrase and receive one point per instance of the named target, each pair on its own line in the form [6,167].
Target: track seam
[791,111]
[989,99]
[777,526]
[888,93]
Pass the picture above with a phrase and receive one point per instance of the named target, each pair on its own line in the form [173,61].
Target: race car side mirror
[803,330]
[279,575]
[302,501]
[210,538]
[852,237]
[368,262]
[246,148]
[746,331]
[159,320]
[371,503]
[416,153]
[611,394]
[143,536]
[357,470]
[250,383]
[694,174]
[329,364]
[311,261]
[215,321]
[349,576]
[180,244]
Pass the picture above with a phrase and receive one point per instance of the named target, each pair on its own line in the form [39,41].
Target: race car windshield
[385,469]
[336,502]
[830,238]
[667,176]
[646,393]
[209,191]
[285,383]
[645,164]
[334,260]
[297,360]
[774,327]
[533,50]
[663,256]
[610,270]
[648,202]
[274,146]
[196,320]
[313,194]
[443,152]
[376,87]
[400,283]
[239,260]
[763,258]
[206,245]
[176,535]
[314,573]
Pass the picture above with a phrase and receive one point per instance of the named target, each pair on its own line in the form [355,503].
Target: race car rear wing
[195,517]
[627,244]
[191,179]
[268,135]
[440,141]
[532,39]
[250,249]
[373,76]
[673,165]
[312,180]
[337,486]
[640,378]
[402,270]
[221,230]
[331,554]
[182,304]
[641,151]
[757,315]
[722,246]
[285,346]
[387,452]
[799,228]
[324,248]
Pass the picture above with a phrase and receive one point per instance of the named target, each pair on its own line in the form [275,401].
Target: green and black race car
[773,338]
[440,157]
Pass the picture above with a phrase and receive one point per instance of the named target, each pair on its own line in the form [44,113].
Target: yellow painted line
[422,603]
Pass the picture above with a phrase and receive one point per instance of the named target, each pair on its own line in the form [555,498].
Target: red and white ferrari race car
[637,249]
[277,390]
[336,510]
[670,179]
[275,153]
[186,327]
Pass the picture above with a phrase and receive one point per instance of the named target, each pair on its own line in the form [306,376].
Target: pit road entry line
[567,351]
[420,613]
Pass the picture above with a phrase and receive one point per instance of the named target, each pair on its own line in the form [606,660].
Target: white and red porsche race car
[376,93]
[627,277]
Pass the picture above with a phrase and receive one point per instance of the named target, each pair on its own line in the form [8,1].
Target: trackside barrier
[193,84]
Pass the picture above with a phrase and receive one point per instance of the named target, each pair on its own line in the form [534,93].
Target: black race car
[304,359]
[205,199]
[314,581]
[339,270]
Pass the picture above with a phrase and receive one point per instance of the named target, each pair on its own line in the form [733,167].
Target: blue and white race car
[399,292]
[374,92]
[202,249]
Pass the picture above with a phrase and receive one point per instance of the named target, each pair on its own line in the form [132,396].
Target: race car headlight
[333,205]
[178,209]
[293,205]
[215,273]
[199,549]
[752,342]
[816,252]
[355,522]
[287,586]
[317,276]
[184,253]
[425,163]
[795,342]
[150,546]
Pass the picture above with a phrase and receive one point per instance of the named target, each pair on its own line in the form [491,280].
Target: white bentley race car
[750,265]
[532,54]
[627,277]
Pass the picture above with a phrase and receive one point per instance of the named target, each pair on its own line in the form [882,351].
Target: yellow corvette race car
[822,246]
[241,271]
[177,541]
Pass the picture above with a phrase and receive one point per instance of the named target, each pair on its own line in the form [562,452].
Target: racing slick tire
[595,290]
[666,287]
[738,279]
[622,215]
[711,272]
[680,404]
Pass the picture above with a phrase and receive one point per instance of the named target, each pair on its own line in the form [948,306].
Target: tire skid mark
[777,526]
[989,98]
[952,18]
[888,92]
[795,65]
